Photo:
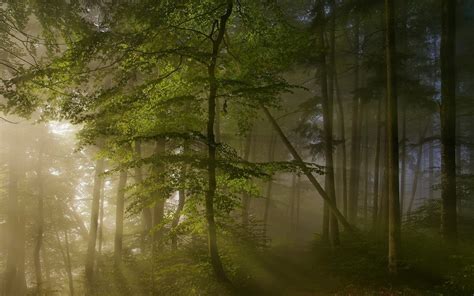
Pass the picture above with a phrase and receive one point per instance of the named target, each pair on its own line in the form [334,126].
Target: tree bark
[268,193]
[355,138]
[159,207]
[327,104]
[40,223]
[14,276]
[366,166]
[68,264]
[375,204]
[417,172]
[91,245]
[343,145]
[448,121]
[212,184]
[176,217]
[392,133]
[119,214]
[245,196]
[146,211]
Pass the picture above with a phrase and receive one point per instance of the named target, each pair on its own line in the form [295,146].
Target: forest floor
[359,268]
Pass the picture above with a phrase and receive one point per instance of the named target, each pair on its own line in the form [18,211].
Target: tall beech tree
[448,120]
[392,141]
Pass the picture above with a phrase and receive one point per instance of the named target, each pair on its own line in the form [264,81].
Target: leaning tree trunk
[392,135]
[119,214]
[299,161]
[212,149]
[91,252]
[448,121]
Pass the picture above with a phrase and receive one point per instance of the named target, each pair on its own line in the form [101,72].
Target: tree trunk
[431,170]
[146,211]
[212,184]
[366,167]
[68,264]
[403,159]
[327,105]
[268,194]
[90,255]
[392,135]
[119,214]
[14,272]
[417,172]
[355,138]
[298,203]
[448,121]
[375,204]
[176,217]
[245,196]
[159,207]
[39,224]
[101,223]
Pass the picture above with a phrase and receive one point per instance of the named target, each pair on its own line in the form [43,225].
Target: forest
[236,147]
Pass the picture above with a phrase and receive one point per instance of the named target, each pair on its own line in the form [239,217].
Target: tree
[91,245]
[448,120]
[119,213]
[392,140]
[327,105]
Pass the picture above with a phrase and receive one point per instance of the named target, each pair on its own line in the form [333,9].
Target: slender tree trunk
[392,133]
[159,207]
[375,204]
[292,202]
[68,264]
[343,145]
[431,170]
[403,160]
[355,138]
[366,166]
[40,224]
[212,184]
[101,223]
[146,211]
[268,194]
[417,172]
[327,104]
[176,217]
[245,196]
[298,203]
[403,42]
[14,273]
[448,120]
[91,245]
[47,270]
[119,214]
